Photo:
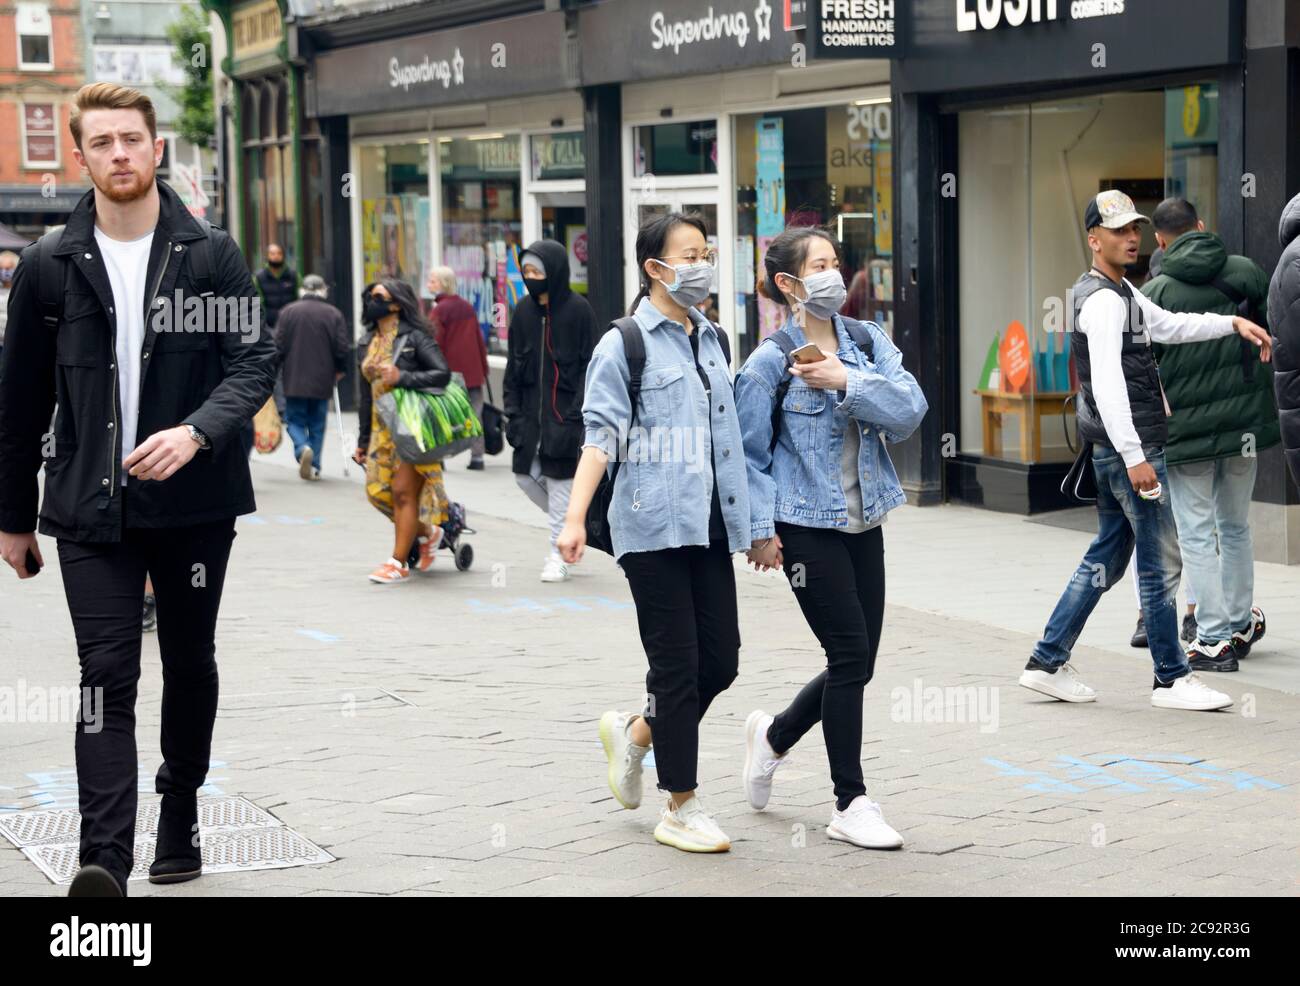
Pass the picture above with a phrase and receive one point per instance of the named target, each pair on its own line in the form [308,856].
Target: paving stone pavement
[440,738]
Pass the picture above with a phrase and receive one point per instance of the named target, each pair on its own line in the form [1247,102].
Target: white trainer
[555,570]
[862,824]
[1065,685]
[690,828]
[624,758]
[1190,694]
[761,760]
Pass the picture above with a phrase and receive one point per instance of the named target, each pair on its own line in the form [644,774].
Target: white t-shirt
[127,263]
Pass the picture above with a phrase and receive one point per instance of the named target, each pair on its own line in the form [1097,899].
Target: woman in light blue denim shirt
[680,508]
[819,491]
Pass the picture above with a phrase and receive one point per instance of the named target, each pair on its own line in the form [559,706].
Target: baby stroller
[452,528]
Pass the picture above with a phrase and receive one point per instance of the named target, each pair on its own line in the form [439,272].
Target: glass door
[562,216]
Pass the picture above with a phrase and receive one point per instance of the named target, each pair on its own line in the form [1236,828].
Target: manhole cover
[237,836]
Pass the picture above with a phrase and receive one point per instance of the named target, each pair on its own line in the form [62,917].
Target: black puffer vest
[1141,375]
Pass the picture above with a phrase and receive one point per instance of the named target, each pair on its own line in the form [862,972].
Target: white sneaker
[690,828]
[624,758]
[304,463]
[862,824]
[555,570]
[1190,694]
[1065,685]
[761,760]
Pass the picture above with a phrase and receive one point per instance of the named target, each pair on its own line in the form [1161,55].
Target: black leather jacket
[420,360]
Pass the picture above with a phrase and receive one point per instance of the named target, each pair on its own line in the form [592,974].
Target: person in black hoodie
[551,337]
[1284,320]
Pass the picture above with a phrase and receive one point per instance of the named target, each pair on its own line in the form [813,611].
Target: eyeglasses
[709,257]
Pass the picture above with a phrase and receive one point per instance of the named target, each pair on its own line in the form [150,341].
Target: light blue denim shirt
[799,482]
[665,484]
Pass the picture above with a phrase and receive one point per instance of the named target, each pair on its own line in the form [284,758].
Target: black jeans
[686,611]
[839,581]
[104,584]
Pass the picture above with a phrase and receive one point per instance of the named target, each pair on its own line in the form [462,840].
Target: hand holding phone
[807,354]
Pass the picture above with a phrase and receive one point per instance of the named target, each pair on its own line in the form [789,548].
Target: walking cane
[343,441]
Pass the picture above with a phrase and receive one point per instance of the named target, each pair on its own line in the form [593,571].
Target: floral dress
[381,457]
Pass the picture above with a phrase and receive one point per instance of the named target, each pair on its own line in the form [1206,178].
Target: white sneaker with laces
[690,828]
[862,824]
[1065,685]
[624,758]
[1190,694]
[555,570]
[761,760]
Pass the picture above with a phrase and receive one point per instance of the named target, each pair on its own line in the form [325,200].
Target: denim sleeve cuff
[761,529]
[602,439]
[851,391]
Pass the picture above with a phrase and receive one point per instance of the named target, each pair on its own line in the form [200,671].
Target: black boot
[1140,634]
[177,855]
[93,880]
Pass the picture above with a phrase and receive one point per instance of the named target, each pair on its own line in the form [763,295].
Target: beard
[122,192]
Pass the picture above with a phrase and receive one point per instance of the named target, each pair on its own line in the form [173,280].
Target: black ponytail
[651,238]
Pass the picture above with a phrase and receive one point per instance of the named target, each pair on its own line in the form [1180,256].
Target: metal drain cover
[237,836]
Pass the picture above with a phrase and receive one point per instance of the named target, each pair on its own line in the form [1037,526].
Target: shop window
[269,176]
[40,135]
[831,167]
[1192,148]
[35,51]
[676,149]
[482,226]
[394,190]
[557,157]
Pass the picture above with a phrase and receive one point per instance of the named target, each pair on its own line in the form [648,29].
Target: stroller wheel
[464,557]
[413,557]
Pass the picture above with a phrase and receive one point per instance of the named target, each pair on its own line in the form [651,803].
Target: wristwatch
[200,439]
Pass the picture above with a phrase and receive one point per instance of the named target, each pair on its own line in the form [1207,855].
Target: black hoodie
[546,371]
[1284,322]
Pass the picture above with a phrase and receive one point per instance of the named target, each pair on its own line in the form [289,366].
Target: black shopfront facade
[1009,115]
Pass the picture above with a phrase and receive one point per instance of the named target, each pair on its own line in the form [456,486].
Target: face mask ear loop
[667,287]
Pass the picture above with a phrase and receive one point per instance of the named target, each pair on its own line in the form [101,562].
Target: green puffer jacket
[1215,396]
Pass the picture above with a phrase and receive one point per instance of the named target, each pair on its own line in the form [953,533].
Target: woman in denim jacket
[680,509]
[818,495]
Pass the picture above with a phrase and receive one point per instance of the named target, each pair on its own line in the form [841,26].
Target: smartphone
[807,354]
[30,563]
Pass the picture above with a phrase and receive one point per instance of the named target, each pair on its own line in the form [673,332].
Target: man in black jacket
[145,327]
[1284,320]
[278,283]
[552,334]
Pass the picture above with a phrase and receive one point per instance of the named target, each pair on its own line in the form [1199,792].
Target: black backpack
[51,272]
[598,531]
[861,337]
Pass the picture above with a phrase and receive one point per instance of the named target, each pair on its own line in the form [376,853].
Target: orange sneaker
[390,572]
[428,551]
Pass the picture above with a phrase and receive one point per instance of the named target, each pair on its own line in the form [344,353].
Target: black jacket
[420,360]
[278,290]
[1284,321]
[549,347]
[314,343]
[214,380]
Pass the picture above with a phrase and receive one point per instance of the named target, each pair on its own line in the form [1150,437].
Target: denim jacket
[798,482]
[665,484]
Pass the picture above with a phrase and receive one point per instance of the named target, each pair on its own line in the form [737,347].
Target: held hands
[160,455]
[1143,477]
[359,456]
[765,554]
[1256,334]
[827,374]
[571,542]
[389,374]
[14,548]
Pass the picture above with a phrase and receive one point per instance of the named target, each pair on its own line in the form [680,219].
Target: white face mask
[825,292]
[692,283]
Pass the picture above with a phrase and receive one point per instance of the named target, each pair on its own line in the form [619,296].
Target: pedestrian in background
[461,340]
[1284,320]
[278,284]
[312,338]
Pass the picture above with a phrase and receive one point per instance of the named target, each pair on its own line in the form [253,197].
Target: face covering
[692,284]
[6,275]
[536,287]
[374,310]
[826,293]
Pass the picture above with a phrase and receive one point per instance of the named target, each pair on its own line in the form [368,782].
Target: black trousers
[104,585]
[686,611]
[839,581]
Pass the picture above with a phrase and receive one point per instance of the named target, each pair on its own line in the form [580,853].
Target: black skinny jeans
[686,611]
[104,585]
[839,581]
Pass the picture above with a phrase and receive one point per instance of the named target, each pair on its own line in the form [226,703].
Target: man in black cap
[1121,414]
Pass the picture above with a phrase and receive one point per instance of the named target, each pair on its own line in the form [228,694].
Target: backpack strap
[724,342]
[634,350]
[785,343]
[50,273]
[861,336]
[201,260]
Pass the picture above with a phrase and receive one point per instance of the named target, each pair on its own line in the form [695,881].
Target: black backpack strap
[724,342]
[861,336]
[49,275]
[785,343]
[201,260]
[1243,309]
[634,350]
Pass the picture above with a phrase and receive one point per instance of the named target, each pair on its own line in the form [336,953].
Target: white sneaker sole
[1044,689]
[1159,701]
[607,726]
[304,464]
[388,581]
[751,726]
[840,836]
[678,839]
[555,578]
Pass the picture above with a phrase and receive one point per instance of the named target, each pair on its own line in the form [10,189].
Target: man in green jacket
[1223,415]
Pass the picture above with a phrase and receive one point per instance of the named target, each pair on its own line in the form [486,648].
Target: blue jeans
[1208,497]
[304,417]
[1125,521]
